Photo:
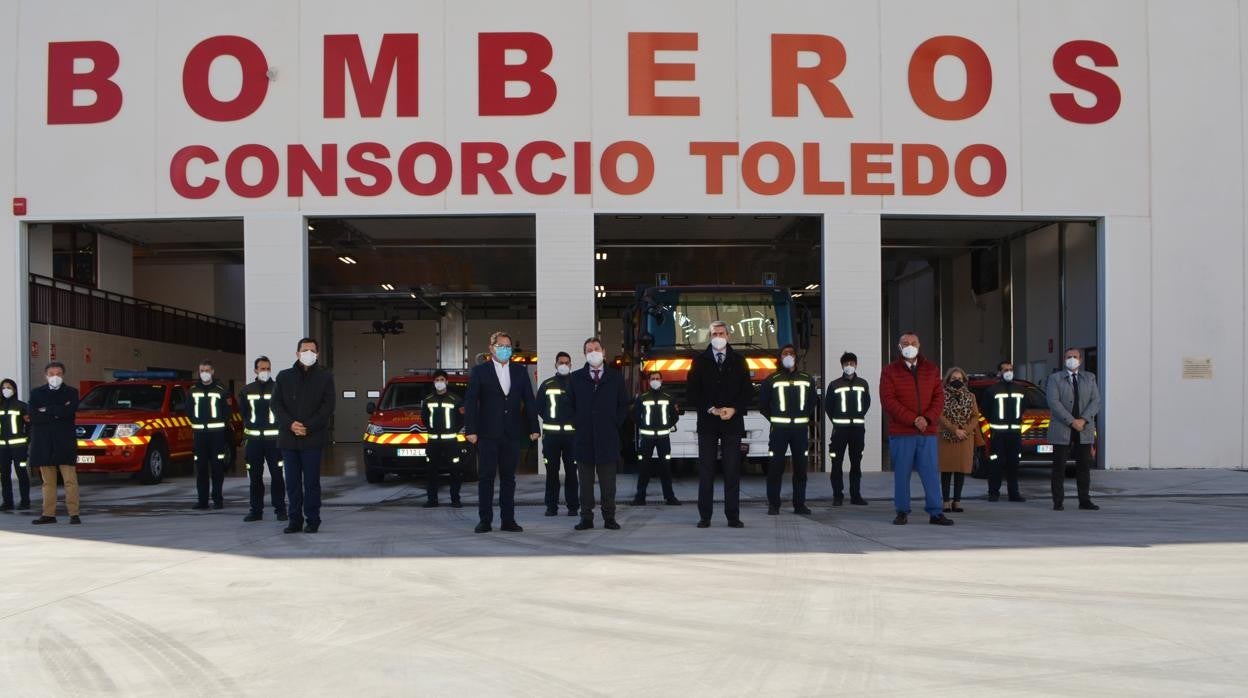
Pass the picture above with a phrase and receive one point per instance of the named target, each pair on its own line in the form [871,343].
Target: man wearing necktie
[599,407]
[720,390]
[1074,401]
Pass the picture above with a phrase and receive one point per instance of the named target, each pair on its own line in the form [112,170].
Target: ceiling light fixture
[388,287]
[346,260]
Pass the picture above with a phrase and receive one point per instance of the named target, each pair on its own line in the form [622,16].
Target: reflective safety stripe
[858,390]
[443,436]
[553,394]
[1006,426]
[842,421]
[860,421]
[258,432]
[13,442]
[1018,403]
[654,432]
[13,417]
[552,427]
[209,425]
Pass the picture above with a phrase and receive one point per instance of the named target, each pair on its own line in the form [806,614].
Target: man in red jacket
[913,399]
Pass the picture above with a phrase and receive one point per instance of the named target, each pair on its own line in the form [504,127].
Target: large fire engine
[138,424]
[668,325]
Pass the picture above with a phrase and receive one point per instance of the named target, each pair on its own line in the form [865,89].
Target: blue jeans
[303,484]
[910,453]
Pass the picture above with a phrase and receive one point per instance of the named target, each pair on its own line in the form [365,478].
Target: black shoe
[574,512]
[837,501]
[218,505]
[773,509]
[858,501]
[736,523]
[901,519]
[993,497]
[610,525]
[803,510]
[429,504]
[638,501]
[456,504]
[200,506]
[483,527]
[253,517]
[293,528]
[584,525]
[44,520]
[552,511]
[24,506]
[7,506]
[75,520]
[1057,506]
[1017,498]
[1089,506]
[282,516]
[704,523]
[941,520]
[672,502]
[512,527]
[312,527]
[956,508]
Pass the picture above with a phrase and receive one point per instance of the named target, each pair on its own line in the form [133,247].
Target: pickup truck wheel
[154,462]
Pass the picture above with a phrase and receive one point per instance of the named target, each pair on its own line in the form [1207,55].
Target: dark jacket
[600,411]
[307,396]
[847,402]
[52,437]
[208,406]
[788,399]
[14,423]
[906,395]
[489,413]
[442,414]
[710,386]
[1003,405]
[255,404]
[555,403]
[655,412]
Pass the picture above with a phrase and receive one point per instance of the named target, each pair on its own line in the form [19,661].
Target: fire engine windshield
[408,396]
[754,319]
[124,397]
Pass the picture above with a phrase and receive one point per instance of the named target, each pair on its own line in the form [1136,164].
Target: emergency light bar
[145,375]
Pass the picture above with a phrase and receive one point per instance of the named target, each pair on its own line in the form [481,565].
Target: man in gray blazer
[1074,402]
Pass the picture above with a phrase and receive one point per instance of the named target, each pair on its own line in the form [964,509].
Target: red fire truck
[395,438]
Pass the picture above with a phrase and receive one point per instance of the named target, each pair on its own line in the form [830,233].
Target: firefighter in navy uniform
[555,404]
[14,441]
[443,414]
[208,408]
[1002,405]
[846,402]
[787,399]
[260,428]
[655,413]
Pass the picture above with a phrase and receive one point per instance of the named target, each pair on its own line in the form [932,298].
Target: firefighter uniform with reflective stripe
[846,402]
[1002,405]
[14,439]
[208,408]
[261,431]
[558,434]
[444,419]
[787,399]
[655,413]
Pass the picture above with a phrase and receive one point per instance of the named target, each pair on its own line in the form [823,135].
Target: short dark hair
[308,340]
[54,364]
[9,381]
[561,355]
[903,333]
[206,362]
[849,356]
[788,346]
[652,374]
[262,357]
[587,342]
[1001,365]
[439,373]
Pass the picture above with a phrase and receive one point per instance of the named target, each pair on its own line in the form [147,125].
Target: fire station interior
[634,252]
[393,295]
[978,291]
[149,296]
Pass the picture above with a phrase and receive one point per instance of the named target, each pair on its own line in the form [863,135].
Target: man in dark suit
[303,402]
[720,390]
[599,407]
[499,410]
[53,442]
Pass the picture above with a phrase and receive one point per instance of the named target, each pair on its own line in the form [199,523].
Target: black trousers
[648,447]
[556,449]
[711,440]
[847,440]
[209,464]
[261,452]
[1083,471]
[957,480]
[14,457]
[605,473]
[781,441]
[497,457]
[442,455]
[1006,449]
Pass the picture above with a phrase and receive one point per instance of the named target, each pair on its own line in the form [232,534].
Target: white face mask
[307,358]
[719,343]
[1072,363]
[1007,376]
[563,369]
[910,352]
[788,361]
[55,381]
[594,358]
[205,376]
[655,385]
[850,369]
[7,392]
[439,386]
[264,376]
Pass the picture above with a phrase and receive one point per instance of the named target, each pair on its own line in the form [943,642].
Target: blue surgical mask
[503,353]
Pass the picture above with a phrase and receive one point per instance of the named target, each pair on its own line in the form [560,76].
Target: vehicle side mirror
[371,407]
